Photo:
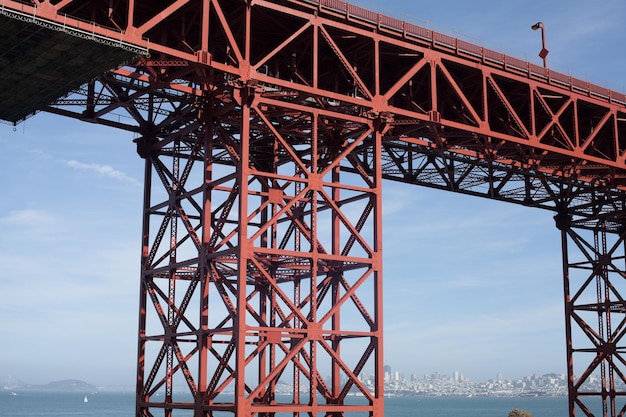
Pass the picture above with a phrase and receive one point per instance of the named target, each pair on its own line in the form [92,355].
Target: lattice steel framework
[595,314]
[267,127]
[282,293]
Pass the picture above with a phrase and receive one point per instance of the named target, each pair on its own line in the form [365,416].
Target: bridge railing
[340,8]
[465,49]
[73,26]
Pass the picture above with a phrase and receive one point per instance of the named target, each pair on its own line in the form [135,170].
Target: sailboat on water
[85,400]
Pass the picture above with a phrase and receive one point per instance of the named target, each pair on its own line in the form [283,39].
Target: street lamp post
[544,52]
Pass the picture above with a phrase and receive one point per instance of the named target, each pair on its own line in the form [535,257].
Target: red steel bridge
[268,128]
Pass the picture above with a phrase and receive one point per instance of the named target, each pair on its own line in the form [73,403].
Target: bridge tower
[261,287]
[594,256]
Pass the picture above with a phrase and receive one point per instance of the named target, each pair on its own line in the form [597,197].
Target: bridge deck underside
[39,65]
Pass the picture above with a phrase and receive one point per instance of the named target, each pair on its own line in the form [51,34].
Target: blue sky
[470,285]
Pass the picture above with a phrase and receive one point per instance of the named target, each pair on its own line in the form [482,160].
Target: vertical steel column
[172,309]
[595,314]
[142,398]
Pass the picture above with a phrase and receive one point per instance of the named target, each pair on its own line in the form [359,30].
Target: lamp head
[536,26]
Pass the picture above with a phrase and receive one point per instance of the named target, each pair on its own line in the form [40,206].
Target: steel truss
[267,128]
[192,142]
[261,272]
[594,256]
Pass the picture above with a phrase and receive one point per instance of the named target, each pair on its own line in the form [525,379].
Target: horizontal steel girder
[458,97]
[455,116]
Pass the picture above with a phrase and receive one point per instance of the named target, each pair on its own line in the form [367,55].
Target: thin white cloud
[26,225]
[596,19]
[477,344]
[104,170]
[27,217]
[38,153]
[519,321]
[100,169]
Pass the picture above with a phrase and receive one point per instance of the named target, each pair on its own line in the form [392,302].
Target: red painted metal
[271,290]
[595,314]
[267,128]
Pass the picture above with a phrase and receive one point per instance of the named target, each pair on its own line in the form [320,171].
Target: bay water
[109,404]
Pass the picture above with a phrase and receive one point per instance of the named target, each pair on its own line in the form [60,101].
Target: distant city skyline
[470,285]
[391,377]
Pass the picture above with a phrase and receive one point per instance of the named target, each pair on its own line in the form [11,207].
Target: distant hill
[68,385]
